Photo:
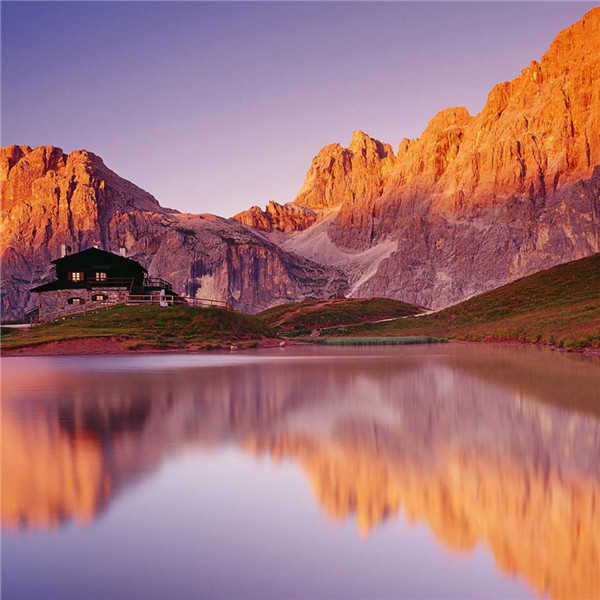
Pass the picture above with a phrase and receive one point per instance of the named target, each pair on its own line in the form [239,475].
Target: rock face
[478,201]
[287,218]
[475,202]
[50,199]
[344,175]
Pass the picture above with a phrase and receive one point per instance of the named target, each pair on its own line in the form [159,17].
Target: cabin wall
[56,302]
[114,267]
[62,273]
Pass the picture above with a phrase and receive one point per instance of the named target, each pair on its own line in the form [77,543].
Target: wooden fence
[172,300]
[55,316]
[134,300]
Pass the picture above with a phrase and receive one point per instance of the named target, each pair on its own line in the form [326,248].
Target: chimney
[122,251]
[63,250]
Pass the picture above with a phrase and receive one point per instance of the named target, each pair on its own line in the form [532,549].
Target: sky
[218,106]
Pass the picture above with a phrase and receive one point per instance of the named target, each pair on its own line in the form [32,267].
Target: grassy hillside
[299,318]
[559,306]
[149,326]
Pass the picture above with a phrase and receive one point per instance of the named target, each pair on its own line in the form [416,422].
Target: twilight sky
[217,106]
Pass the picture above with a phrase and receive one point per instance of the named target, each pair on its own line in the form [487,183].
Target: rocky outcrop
[51,199]
[352,179]
[477,201]
[287,218]
[340,176]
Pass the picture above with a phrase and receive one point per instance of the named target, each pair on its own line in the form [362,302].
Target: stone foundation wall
[56,303]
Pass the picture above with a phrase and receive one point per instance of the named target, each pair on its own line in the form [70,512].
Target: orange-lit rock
[50,199]
[477,201]
[287,218]
[344,175]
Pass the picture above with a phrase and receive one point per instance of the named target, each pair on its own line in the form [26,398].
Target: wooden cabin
[92,278]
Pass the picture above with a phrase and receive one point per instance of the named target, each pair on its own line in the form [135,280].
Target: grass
[299,318]
[149,327]
[559,306]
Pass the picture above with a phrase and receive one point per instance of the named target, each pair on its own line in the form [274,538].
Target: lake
[440,471]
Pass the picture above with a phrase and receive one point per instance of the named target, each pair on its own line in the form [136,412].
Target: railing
[110,282]
[54,316]
[88,282]
[170,300]
[163,300]
[133,300]
[157,282]
[206,303]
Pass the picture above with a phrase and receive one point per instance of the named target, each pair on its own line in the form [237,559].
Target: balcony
[125,282]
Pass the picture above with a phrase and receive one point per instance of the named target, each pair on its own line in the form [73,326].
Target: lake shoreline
[123,345]
[90,346]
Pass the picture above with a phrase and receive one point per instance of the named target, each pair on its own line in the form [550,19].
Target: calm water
[448,471]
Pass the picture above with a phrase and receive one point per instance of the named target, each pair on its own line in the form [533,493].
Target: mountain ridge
[475,202]
[51,199]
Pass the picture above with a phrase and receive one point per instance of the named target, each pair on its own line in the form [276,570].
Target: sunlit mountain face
[485,446]
[475,202]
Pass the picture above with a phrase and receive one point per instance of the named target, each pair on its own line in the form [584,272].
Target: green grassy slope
[558,306]
[300,317]
[149,326]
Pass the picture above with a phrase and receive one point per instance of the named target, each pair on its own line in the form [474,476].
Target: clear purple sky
[214,107]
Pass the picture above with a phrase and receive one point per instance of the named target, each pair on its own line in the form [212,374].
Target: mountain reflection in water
[498,446]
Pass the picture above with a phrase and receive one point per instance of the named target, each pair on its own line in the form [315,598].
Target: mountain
[476,201]
[50,198]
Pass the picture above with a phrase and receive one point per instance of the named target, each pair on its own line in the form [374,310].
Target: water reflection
[484,445]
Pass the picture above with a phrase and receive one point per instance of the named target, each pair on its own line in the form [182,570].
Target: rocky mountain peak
[369,148]
[473,203]
[456,116]
[288,218]
[340,175]
[521,171]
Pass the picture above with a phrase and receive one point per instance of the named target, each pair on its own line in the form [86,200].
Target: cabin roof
[98,259]
[92,259]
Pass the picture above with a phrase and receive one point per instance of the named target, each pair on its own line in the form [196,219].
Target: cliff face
[476,201]
[287,218]
[50,199]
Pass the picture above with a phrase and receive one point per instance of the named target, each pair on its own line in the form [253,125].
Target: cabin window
[75,301]
[76,276]
[99,297]
[100,276]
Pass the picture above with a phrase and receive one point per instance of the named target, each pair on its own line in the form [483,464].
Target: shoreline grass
[374,341]
[148,326]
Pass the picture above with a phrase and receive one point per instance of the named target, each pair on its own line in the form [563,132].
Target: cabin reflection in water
[485,448]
